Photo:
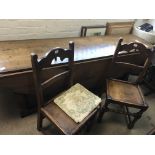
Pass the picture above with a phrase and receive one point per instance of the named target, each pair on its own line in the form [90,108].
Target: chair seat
[125,93]
[77,102]
[62,120]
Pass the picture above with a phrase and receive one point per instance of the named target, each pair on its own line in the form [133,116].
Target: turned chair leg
[39,121]
[90,123]
[102,111]
[136,118]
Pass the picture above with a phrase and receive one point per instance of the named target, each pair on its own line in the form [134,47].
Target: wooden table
[92,56]
[15,55]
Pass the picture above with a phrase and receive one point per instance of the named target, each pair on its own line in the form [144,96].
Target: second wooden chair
[123,93]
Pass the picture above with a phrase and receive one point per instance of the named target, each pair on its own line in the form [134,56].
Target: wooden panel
[124,92]
[62,120]
[118,28]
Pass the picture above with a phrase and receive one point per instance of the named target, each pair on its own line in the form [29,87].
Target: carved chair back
[132,48]
[38,66]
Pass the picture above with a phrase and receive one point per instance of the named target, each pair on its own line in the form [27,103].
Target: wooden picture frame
[85,28]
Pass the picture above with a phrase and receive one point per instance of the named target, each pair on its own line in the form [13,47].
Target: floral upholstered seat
[77,102]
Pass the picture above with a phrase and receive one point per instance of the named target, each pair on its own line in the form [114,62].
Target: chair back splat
[134,68]
[38,66]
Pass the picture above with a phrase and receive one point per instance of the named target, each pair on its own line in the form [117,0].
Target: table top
[15,55]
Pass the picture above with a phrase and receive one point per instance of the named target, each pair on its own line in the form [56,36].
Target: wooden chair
[48,109]
[123,93]
[85,28]
[119,28]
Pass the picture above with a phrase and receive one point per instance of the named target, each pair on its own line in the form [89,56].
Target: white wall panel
[20,29]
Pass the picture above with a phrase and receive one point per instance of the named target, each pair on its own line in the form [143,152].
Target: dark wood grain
[15,55]
[125,92]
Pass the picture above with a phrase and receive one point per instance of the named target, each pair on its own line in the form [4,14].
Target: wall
[20,29]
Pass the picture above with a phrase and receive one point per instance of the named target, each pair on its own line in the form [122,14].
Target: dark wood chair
[48,109]
[85,28]
[126,94]
[119,28]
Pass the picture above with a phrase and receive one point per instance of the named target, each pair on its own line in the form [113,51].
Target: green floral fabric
[77,102]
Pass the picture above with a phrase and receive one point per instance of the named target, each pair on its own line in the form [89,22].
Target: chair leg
[39,121]
[102,111]
[90,123]
[127,117]
[136,118]
[152,132]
